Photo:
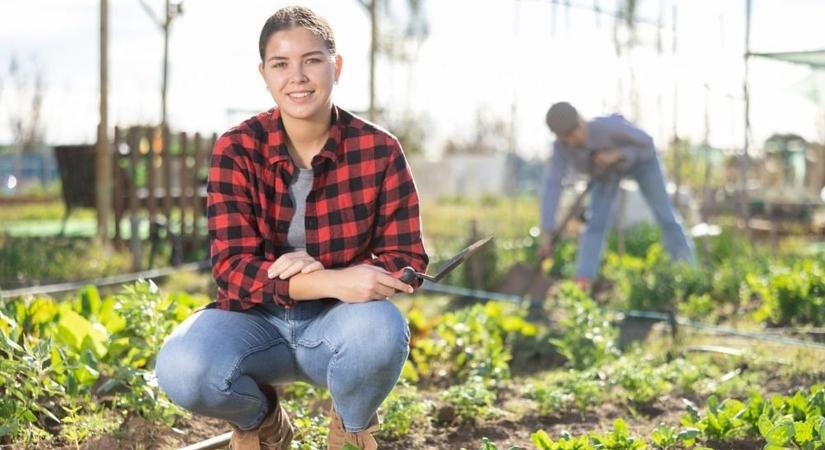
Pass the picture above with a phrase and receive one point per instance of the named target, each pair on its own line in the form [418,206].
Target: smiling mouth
[299,95]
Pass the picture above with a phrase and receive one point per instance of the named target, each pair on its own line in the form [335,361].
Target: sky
[512,58]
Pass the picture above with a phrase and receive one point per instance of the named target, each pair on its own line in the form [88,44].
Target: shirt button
[311,221]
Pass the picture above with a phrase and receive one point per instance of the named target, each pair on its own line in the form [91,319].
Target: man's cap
[562,118]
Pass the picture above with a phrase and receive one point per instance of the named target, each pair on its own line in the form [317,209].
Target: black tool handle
[406,275]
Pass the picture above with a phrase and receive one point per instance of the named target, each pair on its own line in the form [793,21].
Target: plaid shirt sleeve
[236,244]
[397,240]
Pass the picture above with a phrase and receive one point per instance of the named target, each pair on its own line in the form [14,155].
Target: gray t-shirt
[298,191]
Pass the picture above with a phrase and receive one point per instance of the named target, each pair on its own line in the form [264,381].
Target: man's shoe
[584,284]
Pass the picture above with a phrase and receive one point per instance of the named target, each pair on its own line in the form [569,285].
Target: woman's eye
[313,61]
[279,65]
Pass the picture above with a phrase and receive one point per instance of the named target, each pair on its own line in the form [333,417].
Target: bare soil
[512,425]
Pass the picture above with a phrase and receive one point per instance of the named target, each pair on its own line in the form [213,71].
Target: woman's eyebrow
[312,53]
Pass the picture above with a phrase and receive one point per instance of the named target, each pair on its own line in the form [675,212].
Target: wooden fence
[159,181]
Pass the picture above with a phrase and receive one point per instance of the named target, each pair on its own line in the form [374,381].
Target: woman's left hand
[292,263]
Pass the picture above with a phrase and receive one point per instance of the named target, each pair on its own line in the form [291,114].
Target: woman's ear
[338,63]
[261,71]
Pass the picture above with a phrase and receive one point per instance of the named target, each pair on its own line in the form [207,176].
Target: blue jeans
[651,180]
[213,362]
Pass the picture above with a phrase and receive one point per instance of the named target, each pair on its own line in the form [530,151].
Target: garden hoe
[408,274]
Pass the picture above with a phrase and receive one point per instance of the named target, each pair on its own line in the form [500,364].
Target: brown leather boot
[273,433]
[338,436]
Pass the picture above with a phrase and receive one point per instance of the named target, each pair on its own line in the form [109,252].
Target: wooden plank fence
[159,181]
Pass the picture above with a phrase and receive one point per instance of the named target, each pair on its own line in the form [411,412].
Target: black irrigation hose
[104,281]
[714,329]
[664,317]
[427,287]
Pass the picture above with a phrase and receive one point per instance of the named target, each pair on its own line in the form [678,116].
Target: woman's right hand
[365,282]
[292,263]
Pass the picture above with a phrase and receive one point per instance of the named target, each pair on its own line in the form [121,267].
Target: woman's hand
[292,263]
[365,282]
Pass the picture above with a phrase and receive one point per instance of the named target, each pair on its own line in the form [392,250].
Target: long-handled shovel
[537,280]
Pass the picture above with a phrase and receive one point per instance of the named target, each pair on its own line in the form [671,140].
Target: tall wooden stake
[103,169]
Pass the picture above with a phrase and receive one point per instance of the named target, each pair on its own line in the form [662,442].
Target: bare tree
[625,20]
[402,46]
[402,40]
[411,129]
[491,134]
[25,118]
[164,24]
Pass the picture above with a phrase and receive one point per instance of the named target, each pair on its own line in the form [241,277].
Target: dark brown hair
[296,16]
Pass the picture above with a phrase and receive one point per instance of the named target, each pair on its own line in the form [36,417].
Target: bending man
[607,149]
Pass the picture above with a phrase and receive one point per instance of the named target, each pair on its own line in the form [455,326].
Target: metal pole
[373,50]
[706,146]
[166,23]
[677,145]
[103,166]
[743,181]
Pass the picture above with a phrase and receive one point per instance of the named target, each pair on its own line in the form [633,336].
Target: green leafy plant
[637,239]
[641,380]
[311,429]
[665,437]
[28,390]
[472,342]
[618,439]
[543,441]
[722,421]
[585,336]
[698,307]
[472,400]
[573,389]
[784,432]
[401,411]
[794,421]
[53,354]
[78,426]
[654,283]
[792,295]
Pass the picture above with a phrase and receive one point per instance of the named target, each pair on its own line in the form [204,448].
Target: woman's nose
[298,75]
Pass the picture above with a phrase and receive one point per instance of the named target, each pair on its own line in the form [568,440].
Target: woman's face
[299,72]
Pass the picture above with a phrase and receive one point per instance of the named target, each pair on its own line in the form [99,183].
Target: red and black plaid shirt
[363,206]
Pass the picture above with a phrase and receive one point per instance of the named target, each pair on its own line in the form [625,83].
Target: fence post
[117,188]
[135,136]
